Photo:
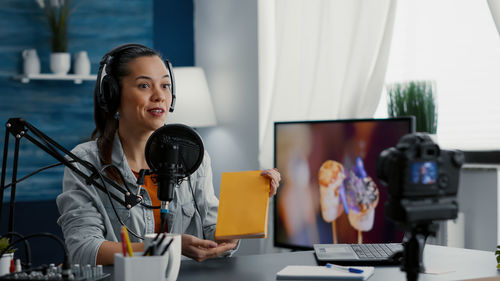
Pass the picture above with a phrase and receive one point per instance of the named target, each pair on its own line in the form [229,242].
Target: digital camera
[421,178]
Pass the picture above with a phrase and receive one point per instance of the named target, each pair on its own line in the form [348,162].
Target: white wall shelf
[77,79]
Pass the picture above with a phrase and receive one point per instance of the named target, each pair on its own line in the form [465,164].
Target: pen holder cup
[155,267]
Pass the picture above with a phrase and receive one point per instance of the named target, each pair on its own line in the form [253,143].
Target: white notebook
[299,272]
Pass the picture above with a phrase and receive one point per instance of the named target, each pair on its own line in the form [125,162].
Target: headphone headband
[118,49]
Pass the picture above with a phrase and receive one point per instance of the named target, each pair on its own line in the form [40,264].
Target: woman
[132,98]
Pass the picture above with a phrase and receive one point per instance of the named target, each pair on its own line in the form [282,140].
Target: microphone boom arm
[20,128]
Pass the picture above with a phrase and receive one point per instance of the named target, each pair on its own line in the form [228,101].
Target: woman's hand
[200,250]
[233,242]
[275,178]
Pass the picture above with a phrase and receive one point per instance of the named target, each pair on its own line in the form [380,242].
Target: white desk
[465,264]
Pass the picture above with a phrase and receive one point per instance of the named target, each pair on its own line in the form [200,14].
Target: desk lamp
[194,105]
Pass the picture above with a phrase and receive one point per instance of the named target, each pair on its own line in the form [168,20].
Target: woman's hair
[116,66]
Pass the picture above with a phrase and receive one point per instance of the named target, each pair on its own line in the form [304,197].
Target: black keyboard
[377,251]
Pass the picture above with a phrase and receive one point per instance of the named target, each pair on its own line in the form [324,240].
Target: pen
[166,247]
[127,240]
[124,243]
[151,247]
[148,251]
[158,244]
[344,268]
[151,250]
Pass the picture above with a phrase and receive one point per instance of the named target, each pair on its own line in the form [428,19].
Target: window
[455,43]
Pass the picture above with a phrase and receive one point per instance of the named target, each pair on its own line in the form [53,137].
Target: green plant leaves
[415,98]
[497,254]
[4,243]
[57,17]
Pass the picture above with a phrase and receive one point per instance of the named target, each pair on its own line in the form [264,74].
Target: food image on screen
[329,192]
[362,198]
[331,177]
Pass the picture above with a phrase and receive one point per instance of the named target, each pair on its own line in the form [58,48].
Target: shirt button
[149,218]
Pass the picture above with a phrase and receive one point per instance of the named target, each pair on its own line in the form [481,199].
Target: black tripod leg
[412,256]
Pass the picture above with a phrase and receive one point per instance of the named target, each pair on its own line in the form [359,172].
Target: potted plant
[497,254]
[6,258]
[58,13]
[415,98]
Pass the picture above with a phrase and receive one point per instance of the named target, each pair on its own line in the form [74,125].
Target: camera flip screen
[424,172]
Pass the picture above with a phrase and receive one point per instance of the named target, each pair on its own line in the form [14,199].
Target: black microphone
[167,176]
[173,152]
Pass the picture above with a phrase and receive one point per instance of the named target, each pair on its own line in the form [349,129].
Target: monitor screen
[329,192]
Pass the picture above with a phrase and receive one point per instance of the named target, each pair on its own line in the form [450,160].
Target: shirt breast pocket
[187,216]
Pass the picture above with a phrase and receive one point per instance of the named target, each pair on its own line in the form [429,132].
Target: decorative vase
[60,63]
[82,63]
[31,63]
[5,263]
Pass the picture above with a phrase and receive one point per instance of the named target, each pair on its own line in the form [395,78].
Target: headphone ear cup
[111,94]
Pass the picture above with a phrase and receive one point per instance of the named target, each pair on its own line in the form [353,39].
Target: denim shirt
[87,218]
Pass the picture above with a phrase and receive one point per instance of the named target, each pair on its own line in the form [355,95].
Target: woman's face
[145,95]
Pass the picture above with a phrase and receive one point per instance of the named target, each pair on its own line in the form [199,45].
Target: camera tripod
[412,254]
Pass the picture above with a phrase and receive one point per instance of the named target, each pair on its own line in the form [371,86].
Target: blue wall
[61,109]
[173,30]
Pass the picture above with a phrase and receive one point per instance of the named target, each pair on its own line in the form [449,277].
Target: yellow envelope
[243,205]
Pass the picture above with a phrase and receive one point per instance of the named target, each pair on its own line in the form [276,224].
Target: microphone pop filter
[189,144]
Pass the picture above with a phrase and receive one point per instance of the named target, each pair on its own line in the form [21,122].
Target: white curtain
[495,12]
[320,59]
[456,44]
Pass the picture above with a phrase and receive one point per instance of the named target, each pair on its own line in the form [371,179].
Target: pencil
[127,240]
[124,243]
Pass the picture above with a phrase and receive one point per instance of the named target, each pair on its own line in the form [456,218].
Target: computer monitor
[329,192]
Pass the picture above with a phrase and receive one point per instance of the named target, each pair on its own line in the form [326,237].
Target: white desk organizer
[138,267]
[151,268]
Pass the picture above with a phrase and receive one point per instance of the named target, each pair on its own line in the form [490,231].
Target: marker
[344,268]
